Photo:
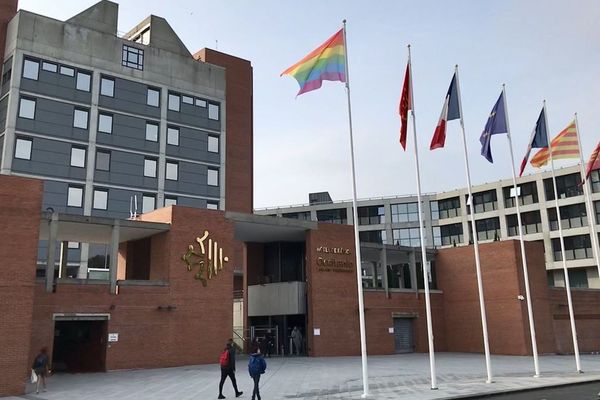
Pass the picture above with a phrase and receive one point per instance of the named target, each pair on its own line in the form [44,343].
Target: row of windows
[31,70]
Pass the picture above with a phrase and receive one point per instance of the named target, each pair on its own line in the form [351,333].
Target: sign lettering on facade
[330,262]
[208,261]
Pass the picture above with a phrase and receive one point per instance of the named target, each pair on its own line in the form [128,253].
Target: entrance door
[79,346]
[403,335]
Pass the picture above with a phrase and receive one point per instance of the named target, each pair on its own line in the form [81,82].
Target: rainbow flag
[325,63]
[564,145]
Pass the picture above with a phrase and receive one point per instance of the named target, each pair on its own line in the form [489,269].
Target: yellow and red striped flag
[594,162]
[564,145]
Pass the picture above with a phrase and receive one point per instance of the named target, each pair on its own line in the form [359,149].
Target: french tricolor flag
[450,111]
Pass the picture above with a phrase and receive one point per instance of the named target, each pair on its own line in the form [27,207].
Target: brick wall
[586,307]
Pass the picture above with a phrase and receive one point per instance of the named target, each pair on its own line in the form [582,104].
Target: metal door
[403,335]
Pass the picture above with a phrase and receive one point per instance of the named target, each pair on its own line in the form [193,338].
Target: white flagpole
[534,349]
[422,234]
[361,303]
[486,344]
[588,202]
[562,249]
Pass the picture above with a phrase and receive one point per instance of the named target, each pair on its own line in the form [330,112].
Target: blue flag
[539,139]
[452,96]
[496,123]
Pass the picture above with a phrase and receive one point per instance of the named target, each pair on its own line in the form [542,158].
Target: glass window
[153,97]
[105,123]
[435,211]
[133,57]
[151,132]
[103,160]
[407,237]
[372,277]
[100,199]
[80,118]
[437,236]
[31,69]
[23,148]
[302,215]
[73,245]
[150,167]
[595,180]
[597,210]
[449,208]
[50,67]
[566,186]
[83,81]
[173,136]
[488,228]
[576,247]
[334,216]
[107,87]
[78,157]
[371,215]
[212,205]
[173,102]
[148,203]
[68,71]
[213,111]
[405,212]
[373,236]
[27,108]
[484,201]
[170,201]
[398,276]
[187,99]
[578,278]
[532,223]
[452,234]
[75,196]
[172,171]
[527,193]
[99,257]
[213,177]
[201,103]
[573,216]
[213,144]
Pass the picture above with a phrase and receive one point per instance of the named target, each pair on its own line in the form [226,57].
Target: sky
[546,50]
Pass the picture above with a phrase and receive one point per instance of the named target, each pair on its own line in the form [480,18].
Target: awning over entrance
[265,229]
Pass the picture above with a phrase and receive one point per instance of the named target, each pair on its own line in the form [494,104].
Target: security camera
[521,297]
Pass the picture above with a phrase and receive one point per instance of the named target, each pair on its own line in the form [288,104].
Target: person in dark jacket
[41,369]
[256,367]
[229,371]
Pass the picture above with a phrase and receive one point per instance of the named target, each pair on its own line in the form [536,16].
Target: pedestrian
[227,361]
[40,367]
[256,367]
[269,344]
[297,339]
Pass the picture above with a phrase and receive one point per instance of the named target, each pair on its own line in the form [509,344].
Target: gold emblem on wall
[208,261]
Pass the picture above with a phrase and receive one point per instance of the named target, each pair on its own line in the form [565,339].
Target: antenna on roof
[133,207]
[217,44]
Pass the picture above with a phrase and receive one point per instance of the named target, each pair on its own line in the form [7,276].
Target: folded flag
[496,123]
[539,138]
[450,111]
[325,63]
[593,163]
[564,145]
[405,105]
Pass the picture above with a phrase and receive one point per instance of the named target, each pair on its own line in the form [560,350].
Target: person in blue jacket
[256,367]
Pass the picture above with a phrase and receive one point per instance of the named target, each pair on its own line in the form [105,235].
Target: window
[406,212]
[151,132]
[213,144]
[78,157]
[527,194]
[371,215]
[133,57]
[173,136]
[449,208]
[73,245]
[597,210]
[27,108]
[150,167]
[595,180]
[213,111]
[398,276]
[373,236]
[173,102]
[148,203]
[578,278]
[105,123]
[212,205]
[435,211]
[335,216]
[573,216]
[566,186]
[170,201]
[107,87]
[80,118]
[484,201]
[31,69]
[532,223]
[172,171]
[103,160]
[407,237]
[83,81]
[153,97]
[100,199]
[68,71]
[143,37]
[212,177]
[187,99]
[50,67]
[488,228]
[98,256]
[372,277]
[75,196]
[576,247]
[6,71]
[452,234]
[437,235]
[201,103]
[302,215]
[23,148]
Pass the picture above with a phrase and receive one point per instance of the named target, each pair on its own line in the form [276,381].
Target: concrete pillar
[52,234]
[64,253]
[384,270]
[412,264]
[114,256]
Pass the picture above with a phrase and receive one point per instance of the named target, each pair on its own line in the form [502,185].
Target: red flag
[405,105]
[524,162]
[593,163]
[439,136]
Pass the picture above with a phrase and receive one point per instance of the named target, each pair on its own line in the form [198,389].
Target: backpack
[224,358]
[256,366]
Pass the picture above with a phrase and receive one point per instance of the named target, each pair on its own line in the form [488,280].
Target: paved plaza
[391,377]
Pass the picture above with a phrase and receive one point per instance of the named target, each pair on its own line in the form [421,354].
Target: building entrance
[403,335]
[79,346]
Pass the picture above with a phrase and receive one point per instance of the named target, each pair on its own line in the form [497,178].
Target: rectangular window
[371,215]
[449,208]
[201,103]
[532,223]
[153,97]
[578,278]
[73,245]
[173,102]
[576,248]
[527,193]
[84,80]
[407,237]
[75,196]
[595,180]
[452,234]
[213,144]
[133,57]
[212,205]
[150,167]
[151,132]
[100,199]
[172,171]
[173,136]
[334,216]
[148,203]
[31,69]
[435,211]
[27,108]
[187,99]
[484,201]
[23,148]
[68,71]
[597,210]
[373,236]
[170,201]
[405,212]
[212,178]
[78,157]
[302,215]
[103,160]
[105,122]
[213,111]
[488,228]
[50,67]
[437,235]
[80,118]
[573,216]
[107,87]
[566,186]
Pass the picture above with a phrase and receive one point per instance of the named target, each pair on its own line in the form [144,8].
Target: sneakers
[238,394]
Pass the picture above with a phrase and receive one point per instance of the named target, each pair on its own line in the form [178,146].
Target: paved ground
[396,377]
[582,391]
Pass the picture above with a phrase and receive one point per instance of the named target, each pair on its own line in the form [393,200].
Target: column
[52,234]
[114,256]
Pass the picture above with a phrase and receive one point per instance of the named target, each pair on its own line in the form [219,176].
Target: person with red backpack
[227,361]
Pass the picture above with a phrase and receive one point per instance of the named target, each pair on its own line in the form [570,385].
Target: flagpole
[534,349]
[422,234]
[486,344]
[588,201]
[562,249]
[361,304]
